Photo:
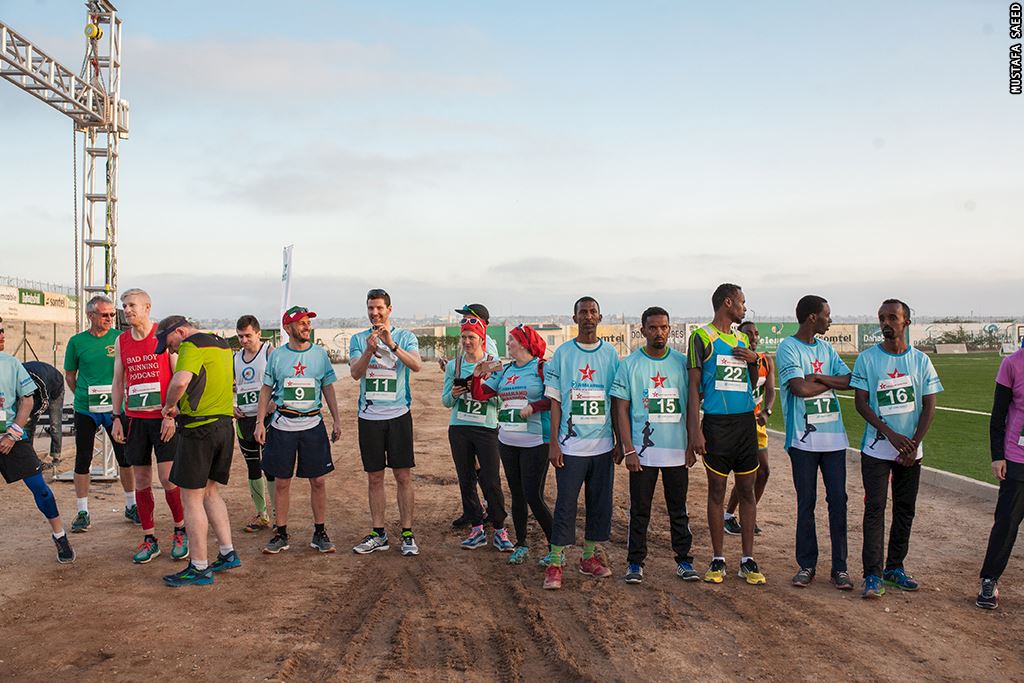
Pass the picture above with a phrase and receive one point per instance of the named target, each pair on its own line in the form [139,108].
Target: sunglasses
[296,309]
[105,315]
[376,294]
[472,321]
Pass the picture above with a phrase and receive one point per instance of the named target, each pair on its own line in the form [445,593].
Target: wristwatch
[394,349]
[768,412]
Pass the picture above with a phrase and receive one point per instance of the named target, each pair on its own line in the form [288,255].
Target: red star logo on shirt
[587,373]
[300,369]
[512,379]
[895,373]
[816,366]
[658,380]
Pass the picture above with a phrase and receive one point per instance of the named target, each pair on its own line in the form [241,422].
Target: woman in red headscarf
[524,428]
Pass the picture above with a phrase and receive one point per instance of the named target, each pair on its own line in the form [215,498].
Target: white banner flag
[286,288]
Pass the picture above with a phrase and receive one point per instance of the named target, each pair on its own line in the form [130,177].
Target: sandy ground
[450,614]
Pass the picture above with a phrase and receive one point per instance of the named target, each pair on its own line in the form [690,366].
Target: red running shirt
[146,375]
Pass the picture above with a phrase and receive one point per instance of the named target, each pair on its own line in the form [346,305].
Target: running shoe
[81,523]
[501,542]
[322,542]
[229,561]
[371,543]
[593,567]
[549,559]
[477,537]
[65,553]
[634,573]
[553,578]
[732,526]
[900,579]
[750,572]
[179,546]
[461,522]
[257,523]
[686,572]
[190,576]
[146,551]
[757,530]
[409,546]
[276,544]
[842,581]
[988,598]
[716,572]
[131,514]
[873,587]
[518,555]
[803,578]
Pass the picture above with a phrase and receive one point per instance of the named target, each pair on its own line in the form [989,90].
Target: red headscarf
[479,328]
[530,339]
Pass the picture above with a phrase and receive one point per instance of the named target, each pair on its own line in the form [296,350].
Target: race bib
[380,384]
[509,417]
[468,410]
[99,399]
[663,405]
[822,409]
[299,393]
[144,396]
[759,391]
[1020,439]
[731,374]
[587,406]
[247,395]
[895,396]
[3,420]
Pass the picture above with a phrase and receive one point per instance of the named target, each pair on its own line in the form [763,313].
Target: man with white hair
[89,373]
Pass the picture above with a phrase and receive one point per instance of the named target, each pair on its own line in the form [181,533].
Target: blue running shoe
[477,538]
[518,555]
[686,572]
[873,587]
[190,576]
[634,573]
[501,542]
[900,579]
[229,561]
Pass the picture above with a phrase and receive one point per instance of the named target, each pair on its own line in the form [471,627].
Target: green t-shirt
[93,358]
[210,393]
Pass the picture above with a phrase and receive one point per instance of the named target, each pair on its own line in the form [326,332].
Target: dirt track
[450,614]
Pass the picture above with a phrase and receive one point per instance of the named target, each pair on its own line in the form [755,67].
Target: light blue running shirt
[297,379]
[895,386]
[580,381]
[384,389]
[518,386]
[656,389]
[467,411]
[813,424]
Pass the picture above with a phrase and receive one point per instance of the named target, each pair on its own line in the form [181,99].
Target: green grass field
[957,442]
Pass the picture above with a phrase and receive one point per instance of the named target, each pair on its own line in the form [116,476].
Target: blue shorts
[311,447]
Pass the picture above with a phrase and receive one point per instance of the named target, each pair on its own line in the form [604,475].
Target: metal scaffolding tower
[92,99]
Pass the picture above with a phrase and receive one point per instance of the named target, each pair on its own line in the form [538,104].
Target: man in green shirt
[89,373]
[200,398]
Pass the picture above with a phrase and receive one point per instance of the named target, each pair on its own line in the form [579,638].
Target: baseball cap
[479,310]
[295,314]
[165,327]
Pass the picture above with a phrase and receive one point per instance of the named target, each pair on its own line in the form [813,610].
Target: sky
[525,154]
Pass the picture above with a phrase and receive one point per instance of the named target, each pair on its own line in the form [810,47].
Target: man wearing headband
[199,399]
[296,377]
[380,359]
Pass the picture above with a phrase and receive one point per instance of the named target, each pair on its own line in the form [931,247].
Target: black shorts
[142,439]
[86,426]
[311,446]
[203,454]
[731,442]
[19,463]
[386,443]
[245,427]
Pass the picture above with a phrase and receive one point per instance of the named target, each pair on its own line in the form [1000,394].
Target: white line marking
[951,410]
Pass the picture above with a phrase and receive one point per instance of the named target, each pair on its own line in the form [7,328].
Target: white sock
[129,499]
[83,504]
[201,566]
[60,534]
[728,516]
[225,549]
[716,557]
[745,558]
